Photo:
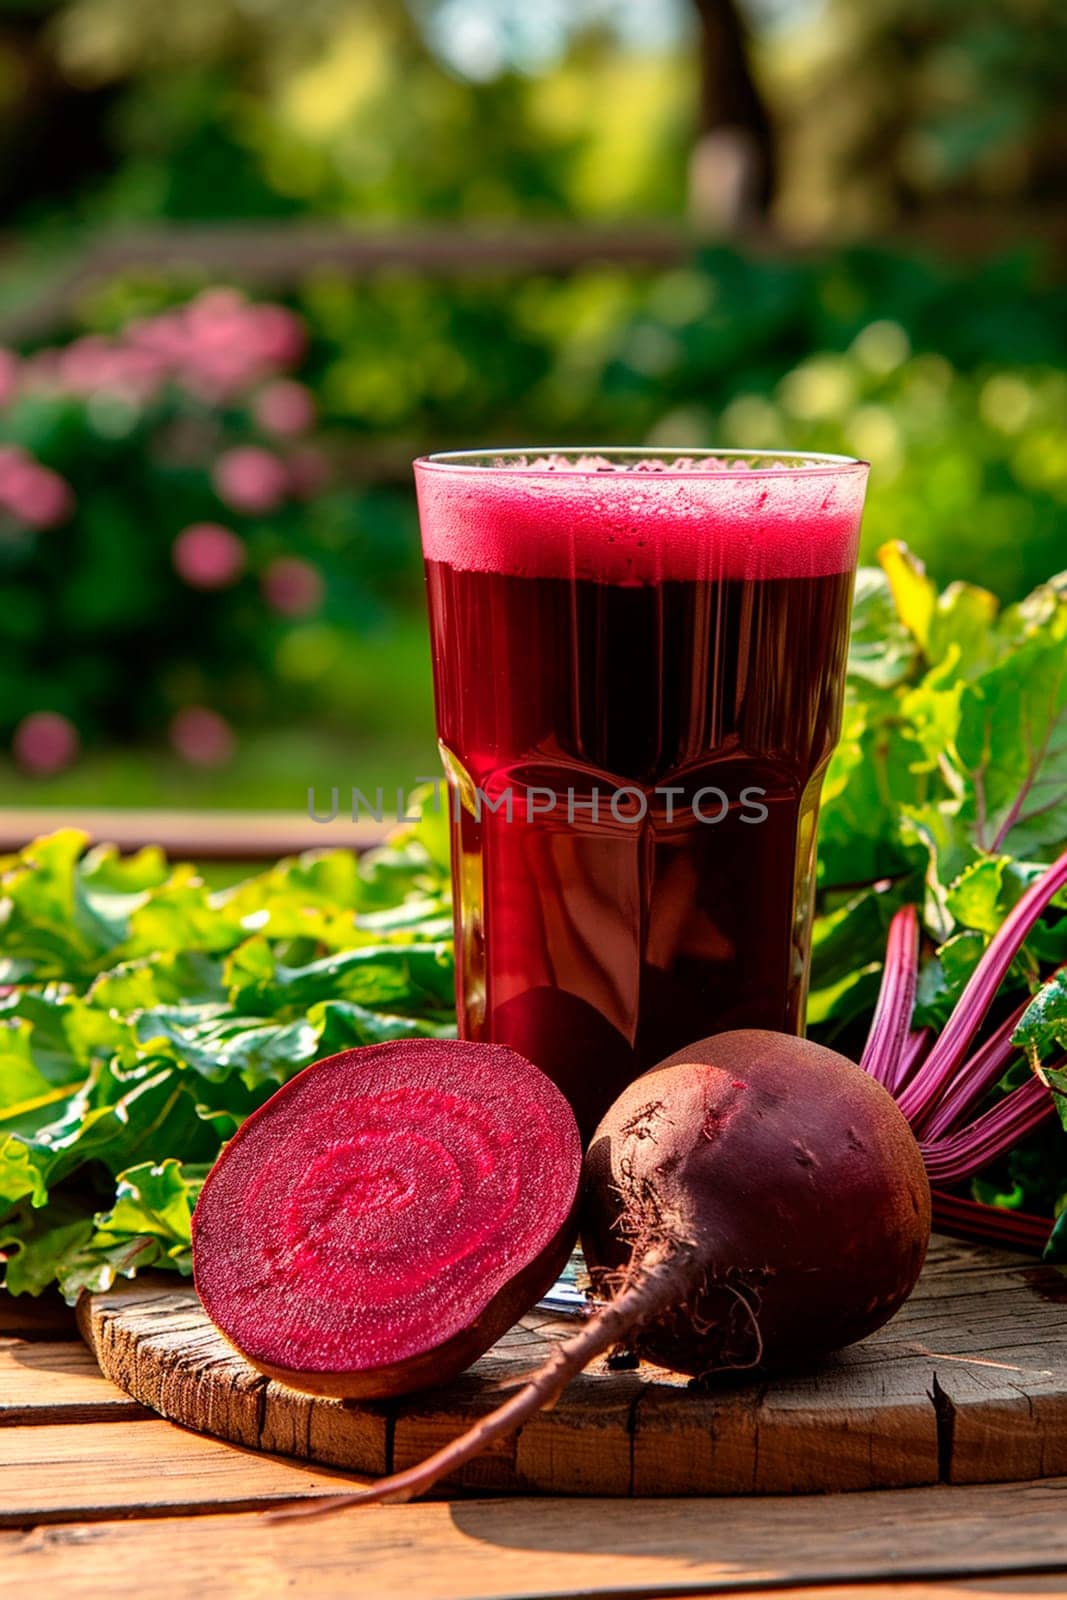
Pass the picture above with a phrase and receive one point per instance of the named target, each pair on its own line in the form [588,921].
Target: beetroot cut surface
[388,1214]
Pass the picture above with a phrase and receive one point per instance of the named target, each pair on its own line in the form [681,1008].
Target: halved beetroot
[388,1214]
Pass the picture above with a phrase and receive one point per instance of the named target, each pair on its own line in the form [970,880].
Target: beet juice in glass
[638,668]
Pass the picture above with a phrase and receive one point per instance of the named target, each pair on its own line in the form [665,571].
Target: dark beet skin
[795,1177]
[387,1215]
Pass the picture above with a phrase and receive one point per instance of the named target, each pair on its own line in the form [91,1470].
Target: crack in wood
[945,1418]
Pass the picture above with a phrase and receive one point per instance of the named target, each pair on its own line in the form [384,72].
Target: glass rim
[582,462]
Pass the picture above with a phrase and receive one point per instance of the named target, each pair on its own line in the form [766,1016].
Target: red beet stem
[888,1037]
[666,1277]
[971,1219]
[981,1072]
[947,1056]
[963,1154]
[911,1058]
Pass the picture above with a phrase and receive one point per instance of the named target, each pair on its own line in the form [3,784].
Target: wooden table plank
[110,1468]
[1021,1586]
[509,1549]
[203,835]
[43,1382]
[970,1383]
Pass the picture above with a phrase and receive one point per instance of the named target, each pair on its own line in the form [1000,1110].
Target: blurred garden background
[255,256]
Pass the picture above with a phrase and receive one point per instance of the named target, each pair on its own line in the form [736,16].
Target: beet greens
[945,1087]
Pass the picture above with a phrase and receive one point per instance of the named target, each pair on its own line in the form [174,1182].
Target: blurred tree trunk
[734,165]
[52,136]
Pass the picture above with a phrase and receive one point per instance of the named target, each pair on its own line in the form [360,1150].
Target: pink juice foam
[645,522]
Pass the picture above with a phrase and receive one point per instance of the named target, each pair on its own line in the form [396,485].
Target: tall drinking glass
[638,671]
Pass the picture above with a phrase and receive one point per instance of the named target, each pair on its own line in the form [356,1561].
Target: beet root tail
[664,1277]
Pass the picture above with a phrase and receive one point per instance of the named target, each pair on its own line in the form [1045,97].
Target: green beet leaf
[151,1016]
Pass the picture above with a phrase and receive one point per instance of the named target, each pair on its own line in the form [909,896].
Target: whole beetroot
[783,1183]
[755,1200]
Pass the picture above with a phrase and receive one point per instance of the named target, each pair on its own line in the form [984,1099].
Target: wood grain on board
[505,1549]
[967,1384]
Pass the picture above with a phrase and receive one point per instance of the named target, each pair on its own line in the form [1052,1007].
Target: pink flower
[226,344]
[164,335]
[216,375]
[285,408]
[309,473]
[251,480]
[276,334]
[136,372]
[208,556]
[202,737]
[12,460]
[217,347]
[292,587]
[33,494]
[220,307]
[81,364]
[93,363]
[45,742]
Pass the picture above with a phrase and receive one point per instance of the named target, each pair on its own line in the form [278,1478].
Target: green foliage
[947,790]
[949,382]
[219,109]
[1042,1030]
[938,100]
[148,1016]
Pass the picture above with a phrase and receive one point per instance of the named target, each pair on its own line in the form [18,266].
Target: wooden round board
[968,1384]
